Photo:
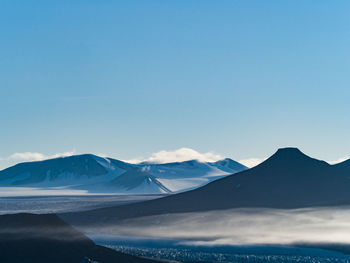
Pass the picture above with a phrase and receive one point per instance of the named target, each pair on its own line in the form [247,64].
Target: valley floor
[65,203]
[189,231]
[250,254]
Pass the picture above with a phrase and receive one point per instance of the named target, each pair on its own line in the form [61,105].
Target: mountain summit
[288,179]
[290,155]
[291,160]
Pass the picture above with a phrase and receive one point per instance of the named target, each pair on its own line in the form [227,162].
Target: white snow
[186,176]
[174,177]
[182,184]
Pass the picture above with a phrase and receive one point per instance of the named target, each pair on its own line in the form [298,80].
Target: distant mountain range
[288,179]
[106,175]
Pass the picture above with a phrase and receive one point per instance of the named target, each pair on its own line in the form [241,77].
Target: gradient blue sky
[129,78]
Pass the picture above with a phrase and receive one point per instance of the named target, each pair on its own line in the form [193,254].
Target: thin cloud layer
[248,226]
[35,156]
[27,156]
[30,157]
[179,155]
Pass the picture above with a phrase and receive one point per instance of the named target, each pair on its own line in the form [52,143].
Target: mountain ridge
[96,174]
[289,179]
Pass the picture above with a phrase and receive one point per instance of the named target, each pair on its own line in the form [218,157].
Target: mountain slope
[29,238]
[53,169]
[288,179]
[229,165]
[188,175]
[106,175]
[139,181]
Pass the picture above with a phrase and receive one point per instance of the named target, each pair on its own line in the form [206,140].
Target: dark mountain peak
[290,151]
[289,154]
[291,158]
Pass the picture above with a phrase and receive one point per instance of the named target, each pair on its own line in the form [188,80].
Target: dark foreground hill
[288,179]
[29,238]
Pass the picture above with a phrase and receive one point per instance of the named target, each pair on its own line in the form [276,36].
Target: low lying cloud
[187,154]
[179,155]
[239,227]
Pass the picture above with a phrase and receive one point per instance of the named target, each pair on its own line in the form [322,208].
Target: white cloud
[179,155]
[251,162]
[26,156]
[35,156]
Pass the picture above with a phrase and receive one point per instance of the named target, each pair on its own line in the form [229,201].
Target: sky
[132,79]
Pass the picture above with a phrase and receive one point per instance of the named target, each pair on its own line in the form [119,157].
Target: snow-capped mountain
[188,175]
[95,174]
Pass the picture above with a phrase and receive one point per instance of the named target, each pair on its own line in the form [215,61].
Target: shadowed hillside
[288,179]
[29,238]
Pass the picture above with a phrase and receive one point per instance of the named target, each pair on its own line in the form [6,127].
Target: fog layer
[239,227]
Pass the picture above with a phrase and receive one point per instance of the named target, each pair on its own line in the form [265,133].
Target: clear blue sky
[128,78]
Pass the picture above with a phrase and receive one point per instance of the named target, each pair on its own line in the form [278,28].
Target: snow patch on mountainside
[177,185]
